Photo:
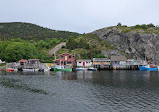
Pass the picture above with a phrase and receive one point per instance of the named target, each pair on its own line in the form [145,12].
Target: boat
[148,68]
[30,69]
[92,69]
[11,69]
[81,69]
[62,68]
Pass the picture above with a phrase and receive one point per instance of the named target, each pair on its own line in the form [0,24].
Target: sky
[82,16]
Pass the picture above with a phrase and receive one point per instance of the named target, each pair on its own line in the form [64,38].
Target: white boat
[81,69]
[92,69]
[47,69]
[30,69]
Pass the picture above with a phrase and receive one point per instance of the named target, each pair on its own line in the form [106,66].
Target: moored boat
[92,69]
[30,69]
[81,69]
[11,69]
[148,68]
[62,68]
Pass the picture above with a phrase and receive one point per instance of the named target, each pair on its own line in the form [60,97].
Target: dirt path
[56,48]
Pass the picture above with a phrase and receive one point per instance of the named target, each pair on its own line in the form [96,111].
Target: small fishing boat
[30,69]
[11,69]
[81,69]
[148,68]
[62,68]
[92,69]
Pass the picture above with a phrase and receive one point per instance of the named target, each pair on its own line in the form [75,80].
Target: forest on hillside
[15,49]
[28,41]
[28,31]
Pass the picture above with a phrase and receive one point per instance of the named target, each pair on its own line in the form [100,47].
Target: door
[83,63]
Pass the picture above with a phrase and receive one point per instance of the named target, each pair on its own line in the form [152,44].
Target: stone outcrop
[132,44]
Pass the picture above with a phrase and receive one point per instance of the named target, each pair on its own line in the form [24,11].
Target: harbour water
[82,91]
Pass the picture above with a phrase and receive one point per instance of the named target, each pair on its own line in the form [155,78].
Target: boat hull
[92,69]
[11,69]
[30,70]
[81,69]
[57,69]
[147,69]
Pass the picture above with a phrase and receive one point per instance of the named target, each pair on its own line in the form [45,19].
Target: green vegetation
[28,31]
[15,49]
[26,41]
[87,46]
[119,24]
[144,28]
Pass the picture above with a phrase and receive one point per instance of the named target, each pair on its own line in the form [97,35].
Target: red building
[65,59]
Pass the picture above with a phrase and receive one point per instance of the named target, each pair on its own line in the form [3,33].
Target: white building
[1,61]
[84,63]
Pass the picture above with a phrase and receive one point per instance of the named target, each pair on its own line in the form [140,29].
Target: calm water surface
[99,91]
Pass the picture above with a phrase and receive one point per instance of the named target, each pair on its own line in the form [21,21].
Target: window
[79,62]
[61,56]
[68,62]
[70,57]
[61,62]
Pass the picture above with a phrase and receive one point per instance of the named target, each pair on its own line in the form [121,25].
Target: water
[99,91]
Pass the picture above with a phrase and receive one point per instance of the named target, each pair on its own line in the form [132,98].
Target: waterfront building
[118,60]
[23,62]
[1,61]
[132,62]
[33,61]
[65,59]
[84,63]
[101,63]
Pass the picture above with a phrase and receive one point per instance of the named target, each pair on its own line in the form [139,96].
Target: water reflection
[131,79]
[18,84]
[25,73]
[93,91]
[66,75]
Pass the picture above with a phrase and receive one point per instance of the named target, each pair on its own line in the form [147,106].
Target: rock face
[132,44]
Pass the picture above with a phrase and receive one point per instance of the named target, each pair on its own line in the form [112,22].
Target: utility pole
[55,55]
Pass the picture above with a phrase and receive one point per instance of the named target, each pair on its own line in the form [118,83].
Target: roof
[83,60]
[101,59]
[118,58]
[66,54]
[57,60]
[22,60]
[33,59]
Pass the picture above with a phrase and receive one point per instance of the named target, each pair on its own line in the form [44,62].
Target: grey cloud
[80,15]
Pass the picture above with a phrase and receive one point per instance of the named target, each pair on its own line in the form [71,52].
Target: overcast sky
[81,16]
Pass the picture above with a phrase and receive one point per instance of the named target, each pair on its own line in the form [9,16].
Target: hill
[28,31]
[136,42]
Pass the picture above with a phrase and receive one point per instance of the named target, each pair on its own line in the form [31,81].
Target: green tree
[71,43]
[19,50]
[119,24]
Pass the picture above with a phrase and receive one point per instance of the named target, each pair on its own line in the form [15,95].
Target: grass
[61,51]
[92,40]
[100,44]
[126,29]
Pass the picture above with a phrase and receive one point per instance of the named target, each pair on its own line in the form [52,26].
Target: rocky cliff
[136,44]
